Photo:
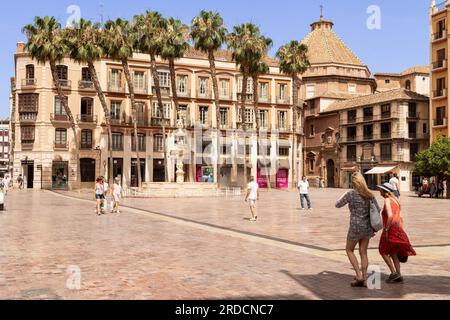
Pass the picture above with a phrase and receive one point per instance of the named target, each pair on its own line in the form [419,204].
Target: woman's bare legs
[350,249]
[363,247]
[389,263]
[396,263]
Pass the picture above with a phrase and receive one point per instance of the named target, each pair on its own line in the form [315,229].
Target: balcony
[27,145]
[438,65]
[158,122]
[165,91]
[29,83]
[386,157]
[438,94]
[117,121]
[439,35]
[142,122]
[386,135]
[61,146]
[264,99]
[440,122]
[284,129]
[225,97]
[184,94]
[86,146]
[59,118]
[413,115]
[283,100]
[350,139]
[249,97]
[28,117]
[114,87]
[368,137]
[204,95]
[87,118]
[86,85]
[385,115]
[65,84]
[143,91]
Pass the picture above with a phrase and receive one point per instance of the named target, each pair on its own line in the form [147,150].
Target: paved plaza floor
[206,248]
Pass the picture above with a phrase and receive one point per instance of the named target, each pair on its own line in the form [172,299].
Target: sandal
[358,284]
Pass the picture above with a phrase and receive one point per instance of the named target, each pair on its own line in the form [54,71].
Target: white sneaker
[252,219]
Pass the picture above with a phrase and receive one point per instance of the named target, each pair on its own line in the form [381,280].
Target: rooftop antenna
[102,7]
[321,12]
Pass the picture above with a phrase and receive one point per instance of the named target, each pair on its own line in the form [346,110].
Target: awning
[284,143]
[349,169]
[381,170]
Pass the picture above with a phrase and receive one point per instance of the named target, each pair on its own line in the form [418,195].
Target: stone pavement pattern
[205,249]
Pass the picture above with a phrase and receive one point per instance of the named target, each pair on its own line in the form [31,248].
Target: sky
[396,40]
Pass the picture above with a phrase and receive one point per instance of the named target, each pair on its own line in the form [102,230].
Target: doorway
[60,173]
[330,174]
[118,169]
[28,172]
[134,172]
[159,174]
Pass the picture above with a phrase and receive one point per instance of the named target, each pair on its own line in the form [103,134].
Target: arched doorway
[330,174]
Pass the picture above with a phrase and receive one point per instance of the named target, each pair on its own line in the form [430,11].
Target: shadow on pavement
[329,285]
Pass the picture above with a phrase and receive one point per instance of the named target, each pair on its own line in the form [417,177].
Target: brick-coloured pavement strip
[205,249]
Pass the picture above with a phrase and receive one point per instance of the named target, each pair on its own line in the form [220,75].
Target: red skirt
[397,242]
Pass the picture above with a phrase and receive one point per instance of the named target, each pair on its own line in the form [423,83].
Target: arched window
[30,76]
[408,85]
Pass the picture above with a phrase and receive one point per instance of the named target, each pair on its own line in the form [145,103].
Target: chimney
[20,47]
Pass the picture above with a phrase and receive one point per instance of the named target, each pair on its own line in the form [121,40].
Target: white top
[117,189]
[395,182]
[106,186]
[304,187]
[253,188]
[99,189]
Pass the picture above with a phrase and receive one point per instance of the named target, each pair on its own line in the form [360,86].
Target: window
[351,134]
[140,113]
[116,110]
[440,86]
[408,85]
[386,151]
[412,130]
[203,87]
[141,141]
[263,119]
[182,84]
[27,134]
[351,153]
[311,165]
[412,110]
[440,115]
[115,78]
[352,88]
[61,138]
[368,132]
[413,151]
[139,80]
[86,75]
[368,114]
[164,79]
[387,81]
[282,92]
[224,88]
[249,116]
[62,72]
[28,102]
[183,114]
[156,113]
[224,116]
[312,131]
[284,151]
[386,111]
[386,130]
[264,91]
[30,73]
[86,139]
[310,91]
[117,141]
[282,120]
[351,116]
[249,85]
[425,128]
[158,143]
[204,115]
[59,109]
[87,106]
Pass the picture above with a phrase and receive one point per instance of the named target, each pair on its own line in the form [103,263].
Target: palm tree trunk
[101,96]
[155,76]
[295,109]
[69,116]
[173,83]
[126,70]
[212,65]
[243,123]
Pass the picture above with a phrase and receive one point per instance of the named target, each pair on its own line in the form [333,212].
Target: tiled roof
[413,70]
[225,56]
[335,95]
[325,46]
[377,98]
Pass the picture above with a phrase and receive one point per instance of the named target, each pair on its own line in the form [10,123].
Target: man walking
[251,197]
[20,181]
[396,183]
[303,187]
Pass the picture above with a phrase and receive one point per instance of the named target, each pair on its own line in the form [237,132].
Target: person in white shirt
[116,192]
[303,187]
[251,197]
[396,183]
[106,190]
[7,181]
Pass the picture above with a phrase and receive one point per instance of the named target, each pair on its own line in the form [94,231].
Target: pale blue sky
[401,42]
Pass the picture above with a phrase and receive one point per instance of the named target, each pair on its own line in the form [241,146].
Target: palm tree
[45,44]
[247,45]
[148,28]
[174,46]
[294,62]
[118,44]
[209,33]
[84,46]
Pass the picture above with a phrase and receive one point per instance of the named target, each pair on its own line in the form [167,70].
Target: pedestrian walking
[106,191]
[99,192]
[116,193]
[303,187]
[2,193]
[7,181]
[20,181]
[251,197]
[395,182]
[360,231]
[395,247]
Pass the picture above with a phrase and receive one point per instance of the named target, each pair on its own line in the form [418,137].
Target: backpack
[375,216]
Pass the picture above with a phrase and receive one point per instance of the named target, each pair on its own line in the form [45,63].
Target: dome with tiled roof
[325,46]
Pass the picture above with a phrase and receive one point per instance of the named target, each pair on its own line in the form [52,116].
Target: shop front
[205,174]
[60,174]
